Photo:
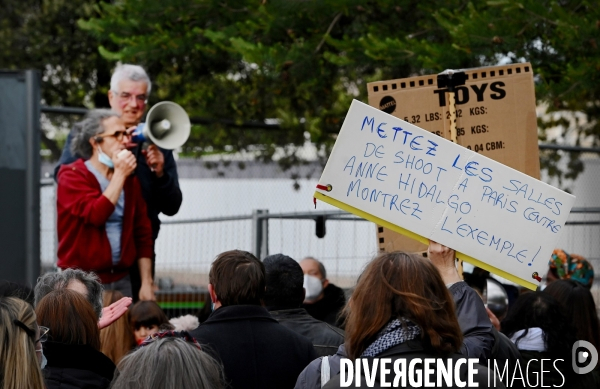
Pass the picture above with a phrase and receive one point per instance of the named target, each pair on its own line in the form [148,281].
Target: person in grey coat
[283,297]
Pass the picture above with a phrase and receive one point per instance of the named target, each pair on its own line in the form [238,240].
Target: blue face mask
[105,159]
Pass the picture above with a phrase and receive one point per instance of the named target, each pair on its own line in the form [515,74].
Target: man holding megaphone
[156,169]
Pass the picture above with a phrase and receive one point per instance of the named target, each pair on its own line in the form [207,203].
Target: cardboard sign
[495,116]
[419,184]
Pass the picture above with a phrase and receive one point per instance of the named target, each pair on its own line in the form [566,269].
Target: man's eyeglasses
[117,134]
[43,334]
[124,96]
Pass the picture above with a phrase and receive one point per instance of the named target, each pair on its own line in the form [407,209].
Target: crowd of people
[276,322]
[69,332]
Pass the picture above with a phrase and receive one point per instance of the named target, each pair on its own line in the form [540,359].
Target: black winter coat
[256,351]
[329,307]
[325,338]
[76,367]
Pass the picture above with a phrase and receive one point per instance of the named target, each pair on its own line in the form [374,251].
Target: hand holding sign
[444,259]
[416,183]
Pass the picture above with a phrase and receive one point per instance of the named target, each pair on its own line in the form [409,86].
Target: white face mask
[313,287]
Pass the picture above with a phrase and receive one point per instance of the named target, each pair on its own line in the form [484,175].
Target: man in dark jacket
[324,301]
[256,351]
[283,298]
[156,170]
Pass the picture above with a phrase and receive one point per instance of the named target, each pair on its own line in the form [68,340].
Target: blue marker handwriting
[400,135]
[465,230]
[536,196]
[389,201]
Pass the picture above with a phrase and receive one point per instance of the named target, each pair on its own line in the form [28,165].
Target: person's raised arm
[444,259]
[113,312]
[471,314]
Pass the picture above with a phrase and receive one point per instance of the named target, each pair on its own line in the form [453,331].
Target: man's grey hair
[129,72]
[320,264]
[168,363]
[61,280]
[90,126]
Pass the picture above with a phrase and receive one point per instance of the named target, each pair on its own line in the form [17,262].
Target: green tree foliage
[560,39]
[302,61]
[43,35]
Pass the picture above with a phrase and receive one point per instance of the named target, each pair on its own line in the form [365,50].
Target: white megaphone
[167,125]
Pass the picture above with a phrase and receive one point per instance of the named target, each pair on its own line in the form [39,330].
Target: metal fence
[189,241]
[257,209]
[187,246]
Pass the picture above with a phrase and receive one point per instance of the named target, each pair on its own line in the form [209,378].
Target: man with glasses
[156,169]
[102,222]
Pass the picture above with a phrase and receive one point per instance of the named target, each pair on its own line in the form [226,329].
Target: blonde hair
[116,340]
[19,366]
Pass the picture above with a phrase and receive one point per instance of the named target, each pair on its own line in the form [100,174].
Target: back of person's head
[401,286]
[72,279]
[117,339]
[19,368]
[284,282]
[129,72]
[238,278]
[168,363]
[578,304]
[70,318]
[541,310]
[13,289]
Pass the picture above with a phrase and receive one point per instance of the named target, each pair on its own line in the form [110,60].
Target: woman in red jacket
[102,221]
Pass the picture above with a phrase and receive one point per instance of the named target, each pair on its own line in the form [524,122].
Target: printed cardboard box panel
[495,116]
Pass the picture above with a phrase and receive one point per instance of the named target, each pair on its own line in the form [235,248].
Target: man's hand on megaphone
[155,160]
[125,163]
[131,144]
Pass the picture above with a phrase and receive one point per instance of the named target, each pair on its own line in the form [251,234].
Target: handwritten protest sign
[494,112]
[414,182]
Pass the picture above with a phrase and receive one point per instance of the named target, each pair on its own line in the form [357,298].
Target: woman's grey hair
[54,281]
[129,72]
[89,127]
[168,363]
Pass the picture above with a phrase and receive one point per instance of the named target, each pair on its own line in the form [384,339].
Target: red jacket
[82,212]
